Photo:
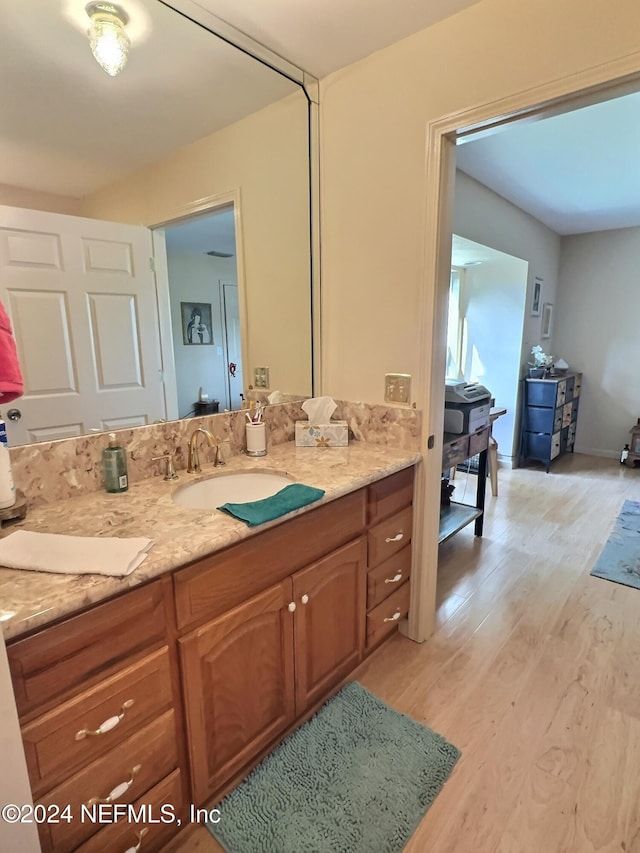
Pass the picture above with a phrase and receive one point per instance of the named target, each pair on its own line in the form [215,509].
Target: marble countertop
[30,599]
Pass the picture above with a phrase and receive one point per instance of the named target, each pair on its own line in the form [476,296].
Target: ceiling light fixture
[107,37]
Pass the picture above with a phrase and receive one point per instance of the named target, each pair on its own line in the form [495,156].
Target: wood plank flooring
[533,672]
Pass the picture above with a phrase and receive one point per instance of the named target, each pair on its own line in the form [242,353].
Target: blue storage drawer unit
[549,416]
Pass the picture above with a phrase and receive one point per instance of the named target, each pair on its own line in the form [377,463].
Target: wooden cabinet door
[238,686]
[329,620]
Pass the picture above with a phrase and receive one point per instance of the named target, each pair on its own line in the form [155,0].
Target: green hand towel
[286,500]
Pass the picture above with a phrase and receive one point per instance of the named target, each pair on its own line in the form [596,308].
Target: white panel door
[81,297]
[233,345]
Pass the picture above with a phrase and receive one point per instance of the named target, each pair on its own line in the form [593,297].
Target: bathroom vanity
[166,687]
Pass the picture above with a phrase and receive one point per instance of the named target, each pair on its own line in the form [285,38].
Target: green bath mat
[357,778]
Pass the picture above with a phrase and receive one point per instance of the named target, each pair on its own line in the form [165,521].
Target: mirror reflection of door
[82,302]
[201,254]
[233,346]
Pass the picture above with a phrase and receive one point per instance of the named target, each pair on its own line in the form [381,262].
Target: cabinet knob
[393,618]
[291,607]
[305,599]
[109,724]
[395,579]
[395,538]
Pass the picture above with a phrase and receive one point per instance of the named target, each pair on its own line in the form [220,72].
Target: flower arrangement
[539,358]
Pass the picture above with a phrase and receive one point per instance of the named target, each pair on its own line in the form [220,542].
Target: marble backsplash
[56,470]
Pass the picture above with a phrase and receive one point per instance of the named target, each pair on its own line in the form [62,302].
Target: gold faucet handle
[219,461]
[170,470]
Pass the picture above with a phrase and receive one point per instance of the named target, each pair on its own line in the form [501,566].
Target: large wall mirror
[155,225]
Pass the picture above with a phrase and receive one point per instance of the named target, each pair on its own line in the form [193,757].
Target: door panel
[329,620]
[238,686]
[81,297]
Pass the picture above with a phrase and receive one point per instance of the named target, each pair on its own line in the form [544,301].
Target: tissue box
[334,434]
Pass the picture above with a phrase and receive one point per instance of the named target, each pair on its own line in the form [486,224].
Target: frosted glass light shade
[107,37]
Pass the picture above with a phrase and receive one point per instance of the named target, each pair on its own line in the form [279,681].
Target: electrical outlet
[397,387]
[261,377]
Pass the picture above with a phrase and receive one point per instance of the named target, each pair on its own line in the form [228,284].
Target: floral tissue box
[334,434]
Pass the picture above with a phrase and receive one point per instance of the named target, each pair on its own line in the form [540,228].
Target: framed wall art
[536,300]
[196,323]
[547,318]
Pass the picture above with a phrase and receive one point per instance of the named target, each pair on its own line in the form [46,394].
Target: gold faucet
[193,466]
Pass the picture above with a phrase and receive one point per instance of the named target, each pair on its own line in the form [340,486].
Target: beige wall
[264,157]
[374,116]
[36,200]
[596,331]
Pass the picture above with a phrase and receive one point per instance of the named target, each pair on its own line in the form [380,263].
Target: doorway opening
[199,283]
[442,136]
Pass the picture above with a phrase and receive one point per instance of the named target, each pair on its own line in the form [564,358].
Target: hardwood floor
[533,672]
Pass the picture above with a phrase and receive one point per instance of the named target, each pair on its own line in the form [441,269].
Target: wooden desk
[456,449]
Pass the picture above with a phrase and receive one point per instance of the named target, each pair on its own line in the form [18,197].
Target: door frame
[195,210]
[589,86]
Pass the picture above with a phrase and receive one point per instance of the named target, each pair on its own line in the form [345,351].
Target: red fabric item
[11,384]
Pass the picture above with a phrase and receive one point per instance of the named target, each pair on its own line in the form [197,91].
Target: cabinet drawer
[215,584]
[567,411]
[65,658]
[138,693]
[479,441]
[555,445]
[389,536]
[386,578]
[541,392]
[455,452]
[165,799]
[539,419]
[577,385]
[537,445]
[561,393]
[557,421]
[143,760]
[389,495]
[570,386]
[385,617]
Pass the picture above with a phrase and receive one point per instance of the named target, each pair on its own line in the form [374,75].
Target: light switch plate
[261,377]
[397,387]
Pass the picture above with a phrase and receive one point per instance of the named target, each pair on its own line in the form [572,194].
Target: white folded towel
[73,555]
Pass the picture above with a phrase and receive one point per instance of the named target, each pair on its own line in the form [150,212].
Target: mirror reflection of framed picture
[547,317]
[196,323]
[536,301]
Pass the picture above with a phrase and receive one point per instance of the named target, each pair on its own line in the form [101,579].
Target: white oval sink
[240,487]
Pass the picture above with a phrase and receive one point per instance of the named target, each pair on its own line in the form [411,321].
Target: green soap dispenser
[114,463]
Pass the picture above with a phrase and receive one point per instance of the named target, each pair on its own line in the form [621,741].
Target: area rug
[619,560]
[357,778]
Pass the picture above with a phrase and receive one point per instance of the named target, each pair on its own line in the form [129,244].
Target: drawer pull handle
[397,578]
[109,724]
[291,607]
[140,835]
[395,538]
[305,599]
[393,618]
[118,791]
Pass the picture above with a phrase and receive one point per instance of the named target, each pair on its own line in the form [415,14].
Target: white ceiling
[66,127]
[323,36]
[214,232]
[576,172]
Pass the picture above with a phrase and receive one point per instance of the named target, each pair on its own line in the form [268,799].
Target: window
[456,325]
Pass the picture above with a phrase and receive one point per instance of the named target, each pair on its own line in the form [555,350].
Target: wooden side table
[494,414]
